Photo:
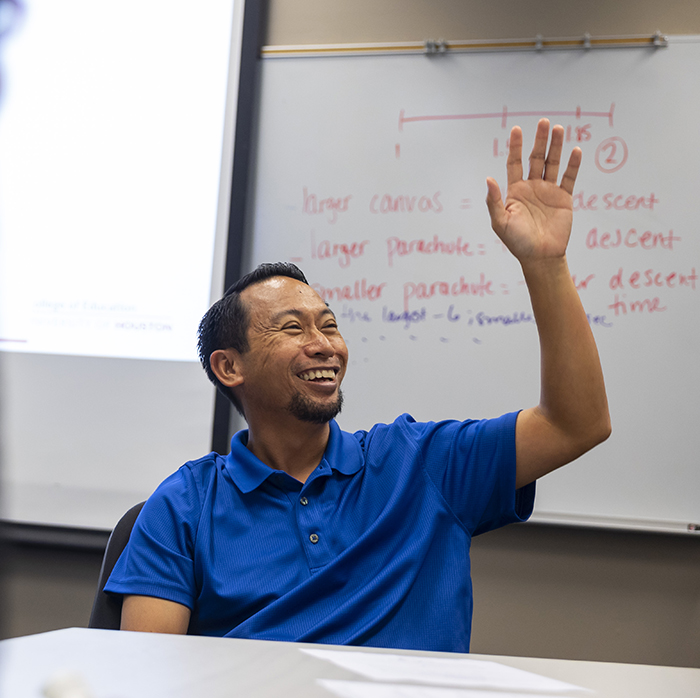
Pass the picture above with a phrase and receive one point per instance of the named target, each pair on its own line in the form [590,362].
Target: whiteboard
[370,174]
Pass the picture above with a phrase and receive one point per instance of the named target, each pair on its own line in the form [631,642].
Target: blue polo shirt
[372,550]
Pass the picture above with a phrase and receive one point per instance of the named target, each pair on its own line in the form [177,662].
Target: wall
[47,587]
[539,591]
[583,594]
[348,21]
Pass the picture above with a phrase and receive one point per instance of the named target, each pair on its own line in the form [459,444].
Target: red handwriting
[405,204]
[581,203]
[344,252]
[359,291]
[614,202]
[330,206]
[397,246]
[649,277]
[583,284]
[620,202]
[632,238]
[421,290]
[505,113]
[650,305]
[611,154]
[578,133]
[581,133]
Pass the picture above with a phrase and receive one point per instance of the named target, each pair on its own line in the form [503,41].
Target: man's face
[296,358]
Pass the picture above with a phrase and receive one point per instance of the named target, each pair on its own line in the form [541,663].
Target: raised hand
[535,222]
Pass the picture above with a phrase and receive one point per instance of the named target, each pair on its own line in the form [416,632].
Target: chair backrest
[107,608]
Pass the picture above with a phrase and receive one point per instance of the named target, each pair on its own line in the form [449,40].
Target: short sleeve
[159,558]
[472,463]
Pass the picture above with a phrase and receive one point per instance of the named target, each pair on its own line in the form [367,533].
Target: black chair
[107,608]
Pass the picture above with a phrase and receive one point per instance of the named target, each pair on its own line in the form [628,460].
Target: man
[306,533]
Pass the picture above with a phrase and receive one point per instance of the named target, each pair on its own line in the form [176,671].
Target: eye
[294,326]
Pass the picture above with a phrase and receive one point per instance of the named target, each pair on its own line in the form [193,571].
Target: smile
[318,374]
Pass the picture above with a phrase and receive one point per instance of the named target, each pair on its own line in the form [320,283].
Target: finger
[551,167]
[494,202]
[539,149]
[514,166]
[569,178]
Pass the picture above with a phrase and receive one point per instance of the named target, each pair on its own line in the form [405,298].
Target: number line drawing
[504,114]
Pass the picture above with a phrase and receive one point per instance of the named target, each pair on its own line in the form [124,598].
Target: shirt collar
[343,453]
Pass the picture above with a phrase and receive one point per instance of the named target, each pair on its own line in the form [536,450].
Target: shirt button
[313,538]
[304,501]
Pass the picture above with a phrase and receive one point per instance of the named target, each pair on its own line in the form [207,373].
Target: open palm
[535,221]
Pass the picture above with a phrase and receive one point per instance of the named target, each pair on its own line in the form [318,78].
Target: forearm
[572,397]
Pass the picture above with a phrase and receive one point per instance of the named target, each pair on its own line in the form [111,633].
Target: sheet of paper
[441,671]
[365,689]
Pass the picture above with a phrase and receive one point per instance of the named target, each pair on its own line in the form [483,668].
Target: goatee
[308,411]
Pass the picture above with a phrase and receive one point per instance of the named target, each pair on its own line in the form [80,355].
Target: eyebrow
[299,313]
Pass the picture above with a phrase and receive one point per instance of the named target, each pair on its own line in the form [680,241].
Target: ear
[226,365]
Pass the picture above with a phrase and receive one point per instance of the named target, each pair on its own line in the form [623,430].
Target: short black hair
[225,324]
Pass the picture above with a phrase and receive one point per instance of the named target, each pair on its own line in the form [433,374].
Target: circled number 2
[611,154]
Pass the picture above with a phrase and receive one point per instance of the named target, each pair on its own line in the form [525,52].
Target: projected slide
[111,128]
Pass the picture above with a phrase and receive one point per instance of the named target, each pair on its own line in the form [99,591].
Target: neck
[296,447]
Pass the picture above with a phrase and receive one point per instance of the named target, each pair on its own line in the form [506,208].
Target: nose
[318,344]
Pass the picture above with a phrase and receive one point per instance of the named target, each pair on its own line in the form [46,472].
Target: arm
[151,615]
[535,224]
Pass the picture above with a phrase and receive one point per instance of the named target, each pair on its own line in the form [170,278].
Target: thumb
[494,202]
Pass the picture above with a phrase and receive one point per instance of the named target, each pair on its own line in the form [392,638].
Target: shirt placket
[311,525]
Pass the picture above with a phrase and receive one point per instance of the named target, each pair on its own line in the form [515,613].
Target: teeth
[310,375]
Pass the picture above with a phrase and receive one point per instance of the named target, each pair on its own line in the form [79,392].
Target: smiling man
[307,533]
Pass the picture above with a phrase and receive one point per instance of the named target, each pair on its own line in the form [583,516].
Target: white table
[117,664]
